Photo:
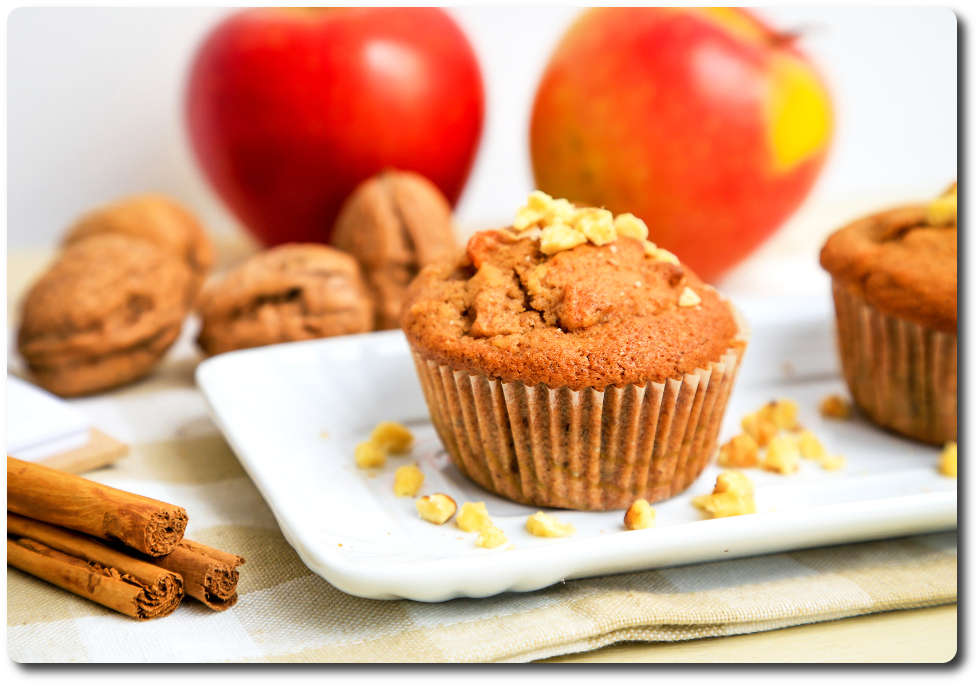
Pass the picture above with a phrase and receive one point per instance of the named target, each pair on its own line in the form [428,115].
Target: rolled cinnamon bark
[210,575]
[91,569]
[57,497]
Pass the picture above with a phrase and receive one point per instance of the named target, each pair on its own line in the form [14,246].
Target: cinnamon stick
[91,569]
[210,575]
[57,497]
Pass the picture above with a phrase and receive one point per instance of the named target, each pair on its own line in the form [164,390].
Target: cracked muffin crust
[394,224]
[894,283]
[591,316]
[289,293]
[103,314]
[157,219]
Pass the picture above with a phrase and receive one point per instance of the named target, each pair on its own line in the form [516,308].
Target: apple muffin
[894,282]
[569,362]
[294,292]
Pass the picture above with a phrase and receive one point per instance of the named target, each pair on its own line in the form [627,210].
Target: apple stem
[780,39]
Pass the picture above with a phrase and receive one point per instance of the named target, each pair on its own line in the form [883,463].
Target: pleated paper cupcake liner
[579,449]
[902,374]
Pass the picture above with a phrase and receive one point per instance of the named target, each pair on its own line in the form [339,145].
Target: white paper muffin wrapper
[902,374]
[587,449]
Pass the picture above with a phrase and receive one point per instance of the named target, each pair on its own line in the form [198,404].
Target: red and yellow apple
[705,122]
[289,109]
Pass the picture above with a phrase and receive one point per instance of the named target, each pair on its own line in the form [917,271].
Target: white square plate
[294,412]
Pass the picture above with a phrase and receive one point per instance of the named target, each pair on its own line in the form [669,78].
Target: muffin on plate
[893,276]
[569,362]
[293,292]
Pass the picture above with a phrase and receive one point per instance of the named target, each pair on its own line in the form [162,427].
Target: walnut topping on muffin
[942,210]
[560,225]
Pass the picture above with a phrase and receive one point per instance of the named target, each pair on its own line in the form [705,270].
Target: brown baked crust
[103,314]
[592,316]
[289,293]
[394,224]
[900,264]
[155,218]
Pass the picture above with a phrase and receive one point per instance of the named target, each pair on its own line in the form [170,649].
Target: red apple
[705,122]
[289,109]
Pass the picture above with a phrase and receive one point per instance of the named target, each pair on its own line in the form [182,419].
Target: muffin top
[568,297]
[902,260]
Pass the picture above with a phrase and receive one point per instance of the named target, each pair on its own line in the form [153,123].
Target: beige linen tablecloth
[285,612]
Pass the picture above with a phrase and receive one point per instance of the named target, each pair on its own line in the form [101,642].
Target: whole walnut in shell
[103,314]
[155,218]
[292,292]
[394,224]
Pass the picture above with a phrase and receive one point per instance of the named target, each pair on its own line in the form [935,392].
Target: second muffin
[569,362]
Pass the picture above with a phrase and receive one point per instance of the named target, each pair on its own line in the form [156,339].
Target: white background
[95,105]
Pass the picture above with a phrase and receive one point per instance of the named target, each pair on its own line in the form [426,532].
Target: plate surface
[294,412]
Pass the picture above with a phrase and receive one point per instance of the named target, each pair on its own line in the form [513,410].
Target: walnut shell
[293,292]
[394,224]
[103,314]
[157,219]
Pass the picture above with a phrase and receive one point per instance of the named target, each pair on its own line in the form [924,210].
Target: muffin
[893,276]
[103,314]
[293,292]
[568,362]
[394,224]
[154,218]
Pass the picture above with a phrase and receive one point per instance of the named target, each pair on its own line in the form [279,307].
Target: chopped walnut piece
[740,451]
[547,526]
[832,462]
[782,455]
[639,515]
[436,508]
[947,460]
[835,407]
[596,225]
[473,517]
[558,236]
[733,495]
[782,413]
[393,437]
[759,428]
[688,298]
[662,255]
[733,481]
[809,445]
[368,454]
[942,210]
[491,537]
[408,480]
[631,226]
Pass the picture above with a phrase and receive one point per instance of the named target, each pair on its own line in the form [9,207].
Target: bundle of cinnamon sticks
[119,549]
